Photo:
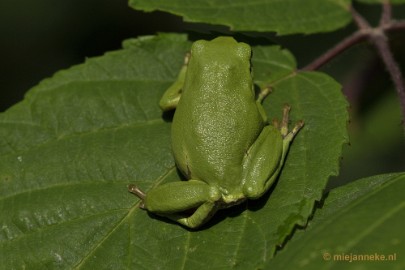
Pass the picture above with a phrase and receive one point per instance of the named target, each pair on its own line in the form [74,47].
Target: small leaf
[69,150]
[283,17]
[362,218]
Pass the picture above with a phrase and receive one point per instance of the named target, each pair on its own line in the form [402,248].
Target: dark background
[41,37]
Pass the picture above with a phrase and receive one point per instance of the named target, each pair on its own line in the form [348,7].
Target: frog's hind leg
[172,200]
[265,158]
[201,215]
[262,163]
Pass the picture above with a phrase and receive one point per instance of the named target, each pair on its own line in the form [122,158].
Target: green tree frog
[221,140]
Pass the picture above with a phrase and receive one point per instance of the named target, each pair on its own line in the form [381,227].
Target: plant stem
[359,20]
[380,42]
[377,36]
[349,41]
[386,14]
[396,25]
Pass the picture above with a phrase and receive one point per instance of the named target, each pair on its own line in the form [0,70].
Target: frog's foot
[285,133]
[139,193]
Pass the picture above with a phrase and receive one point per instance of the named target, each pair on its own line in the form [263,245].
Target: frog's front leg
[264,159]
[172,95]
[172,199]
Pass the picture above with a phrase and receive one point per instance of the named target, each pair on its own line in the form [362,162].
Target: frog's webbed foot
[139,193]
[287,135]
[283,127]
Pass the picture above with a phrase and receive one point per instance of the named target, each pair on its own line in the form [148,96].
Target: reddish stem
[349,41]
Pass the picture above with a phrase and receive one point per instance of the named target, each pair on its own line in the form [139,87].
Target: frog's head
[222,50]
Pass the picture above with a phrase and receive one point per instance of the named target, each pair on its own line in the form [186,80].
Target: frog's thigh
[179,196]
[262,163]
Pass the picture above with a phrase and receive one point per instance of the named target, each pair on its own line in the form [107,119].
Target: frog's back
[217,119]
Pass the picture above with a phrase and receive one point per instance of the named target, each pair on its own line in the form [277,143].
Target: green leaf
[362,218]
[69,150]
[283,17]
